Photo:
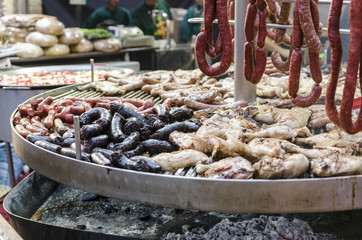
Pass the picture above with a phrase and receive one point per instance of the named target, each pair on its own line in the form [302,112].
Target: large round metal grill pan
[185,189]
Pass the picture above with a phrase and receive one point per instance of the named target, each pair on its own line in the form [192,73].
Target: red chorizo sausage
[283,19]
[248,61]
[262,29]
[353,62]
[259,66]
[249,22]
[308,100]
[306,23]
[294,72]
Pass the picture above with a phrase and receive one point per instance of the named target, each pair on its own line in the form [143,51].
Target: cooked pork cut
[227,168]
[289,166]
[336,164]
[180,159]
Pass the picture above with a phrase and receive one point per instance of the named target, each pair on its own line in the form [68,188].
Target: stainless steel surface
[243,89]
[185,190]
[274,25]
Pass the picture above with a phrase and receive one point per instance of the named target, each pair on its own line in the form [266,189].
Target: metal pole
[243,89]
[10,164]
[77,137]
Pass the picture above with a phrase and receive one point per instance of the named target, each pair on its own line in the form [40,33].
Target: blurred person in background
[142,18]
[188,30]
[111,15]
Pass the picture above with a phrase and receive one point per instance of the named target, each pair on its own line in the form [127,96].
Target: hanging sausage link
[353,63]
[255,56]
[296,59]
[223,45]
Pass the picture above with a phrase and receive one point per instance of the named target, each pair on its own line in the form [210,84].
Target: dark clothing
[142,18]
[190,29]
[121,15]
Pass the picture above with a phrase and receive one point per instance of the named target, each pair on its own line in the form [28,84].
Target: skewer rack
[243,89]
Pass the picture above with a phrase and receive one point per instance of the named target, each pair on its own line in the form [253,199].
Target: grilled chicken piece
[218,147]
[319,117]
[333,135]
[289,166]
[275,131]
[293,118]
[227,168]
[336,164]
[180,159]
[222,127]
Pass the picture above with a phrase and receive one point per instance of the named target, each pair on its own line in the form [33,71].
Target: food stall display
[179,138]
[36,35]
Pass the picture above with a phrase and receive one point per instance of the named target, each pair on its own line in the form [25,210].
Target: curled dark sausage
[100,159]
[132,124]
[98,141]
[129,143]
[106,152]
[121,161]
[117,134]
[127,113]
[137,151]
[180,114]
[68,142]
[56,138]
[35,137]
[91,130]
[164,133]
[48,146]
[97,115]
[145,164]
[70,152]
[154,146]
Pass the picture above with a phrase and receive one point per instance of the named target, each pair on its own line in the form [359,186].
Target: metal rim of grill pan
[189,191]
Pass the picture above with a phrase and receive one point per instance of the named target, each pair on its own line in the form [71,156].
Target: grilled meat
[180,159]
[227,168]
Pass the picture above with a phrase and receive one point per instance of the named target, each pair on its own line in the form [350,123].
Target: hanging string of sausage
[204,42]
[255,56]
[305,24]
[344,118]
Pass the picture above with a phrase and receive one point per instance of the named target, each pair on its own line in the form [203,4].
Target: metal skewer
[77,137]
[273,25]
[92,68]
[320,2]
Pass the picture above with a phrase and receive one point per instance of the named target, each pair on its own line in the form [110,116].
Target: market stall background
[67,13]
